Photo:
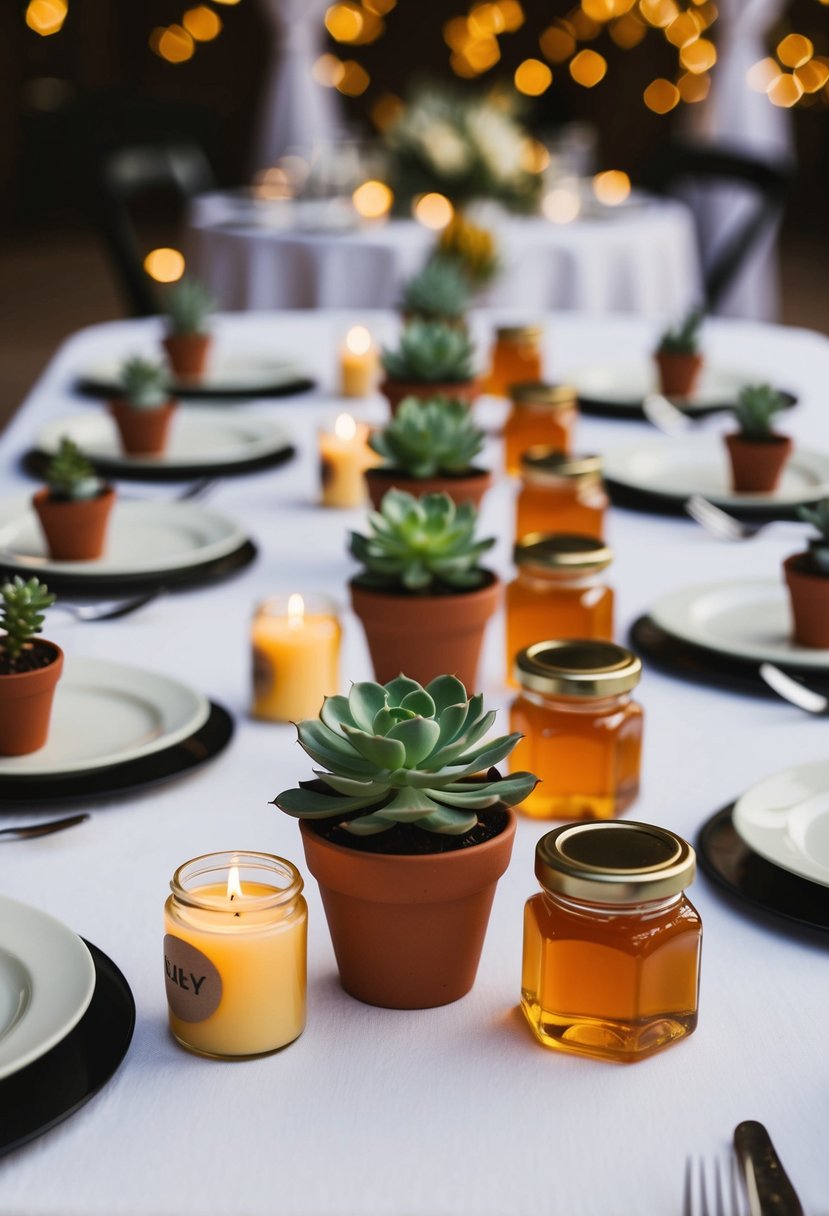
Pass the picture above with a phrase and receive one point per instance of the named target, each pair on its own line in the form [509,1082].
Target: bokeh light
[795,50]
[659,12]
[813,75]
[684,29]
[173,44]
[661,96]
[512,13]
[486,20]
[386,110]
[599,10]
[164,265]
[354,80]
[611,187]
[532,77]
[628,31]
[433,211]
[699,56]
[588,68]
[46,17]
[762,74]
[694,87]
[561,205]
[557,43]
[785,91]
[372,200]
[202,24]
[328,70]
[344,22]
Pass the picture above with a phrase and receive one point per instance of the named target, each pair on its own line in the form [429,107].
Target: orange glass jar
[559,591]
[582,729]
[541,415]
[560,493]
[611,943]
[516,356]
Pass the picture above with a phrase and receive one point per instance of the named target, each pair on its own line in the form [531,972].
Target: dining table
[454,1110]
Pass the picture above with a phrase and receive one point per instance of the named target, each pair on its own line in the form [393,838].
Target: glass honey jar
[558,592]
[560,493]
[541,415]
[516,356]
[582,729]
[611,943]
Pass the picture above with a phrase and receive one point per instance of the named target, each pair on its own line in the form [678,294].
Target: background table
[639,258]
[450,1111]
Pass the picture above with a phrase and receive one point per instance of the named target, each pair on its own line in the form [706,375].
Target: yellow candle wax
[344,458]
[358,363]
[296,649]
[235,954]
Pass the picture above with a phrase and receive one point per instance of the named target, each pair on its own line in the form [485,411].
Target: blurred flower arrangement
[471,248]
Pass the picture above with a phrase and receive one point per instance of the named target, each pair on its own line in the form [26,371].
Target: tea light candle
[235,954]
[358,363]
[296,651]
[344,457]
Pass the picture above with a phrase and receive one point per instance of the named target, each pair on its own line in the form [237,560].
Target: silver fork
[722,1198]
[31,830]
[794,691]
[665,416]
[192,493]
[722,525]
[112,610]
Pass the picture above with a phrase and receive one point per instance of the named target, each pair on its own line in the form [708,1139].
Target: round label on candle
[194,986]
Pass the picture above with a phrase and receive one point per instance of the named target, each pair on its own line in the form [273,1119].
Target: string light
[532,78]
[588,68]
[661,96]
[164,265]
[557,43]
[46,17]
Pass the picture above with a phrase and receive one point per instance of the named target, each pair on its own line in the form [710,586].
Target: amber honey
[582,729]
[516,357]
[541,415]
[560,493]
[611,944]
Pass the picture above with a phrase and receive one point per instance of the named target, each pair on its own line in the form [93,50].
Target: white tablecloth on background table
[451,1111]
[640,258]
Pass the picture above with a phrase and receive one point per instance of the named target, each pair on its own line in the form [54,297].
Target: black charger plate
[655,503]
[732,865]
[206,743]
[52,1088]
[632,410]
[35,462]
[94,387]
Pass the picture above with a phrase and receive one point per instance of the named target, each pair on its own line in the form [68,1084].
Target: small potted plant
[188,306]
[807,578]
[438,293]
[678,357]
[74,506]
[406,841]
[29,667]
[422,597]
[757,453]
[431,360]
[428,448]
[145,409]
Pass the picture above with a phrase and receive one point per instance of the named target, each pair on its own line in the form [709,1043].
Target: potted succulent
[188,305]
[432,359]
[405,841]
[757,453]
[145,409]
[807,578]
[74,506]
[438,293]
[678,357]
[29,667]
[428,448]
[422,597]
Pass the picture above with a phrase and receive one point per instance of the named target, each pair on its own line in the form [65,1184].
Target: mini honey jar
[559,591]
[582,729]
[611,943]
[541,415]
[516,356]
[560,493]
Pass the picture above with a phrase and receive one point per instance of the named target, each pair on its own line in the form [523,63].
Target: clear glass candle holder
[295,642]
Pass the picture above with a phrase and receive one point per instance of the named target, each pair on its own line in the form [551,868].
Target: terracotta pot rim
[122,404]
[191,333]
[676,354]
[413,859]
[387,473]
[772,440]
[45,494]
[791,566]
[493,580]
[418,386]
[37,671]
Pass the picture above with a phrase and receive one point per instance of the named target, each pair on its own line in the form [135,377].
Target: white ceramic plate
[749,619]
[627,384]
[698,464]
[199,437]
[143,538]
[786,820]
[47,978]
[226,374]
[107,713]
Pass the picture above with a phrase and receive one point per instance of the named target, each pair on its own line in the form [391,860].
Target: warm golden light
[226,2]
[557,44]
[344,22]
[272,183]
[762,74]
[512,13]
[628,31]
[561,205]
[355,79]
[373,27]
[46,17]
[684,29]
[813,75]
[386,111]
[599,10]
[785,91]
[482,54]
[694,87]
[486,20]
[532,78]
[659,12]
[611,187]
[328,70]
[661,96]
[380,7]
[345,428]
[175,45]
[699,56]
[795,50]
[433,211]
[372,200]
[588,68]
[456,33]
[584,27]
[534,156]
[234,886]
[461,66]
[164,265]
[296,614]
[358,341]
[202,23]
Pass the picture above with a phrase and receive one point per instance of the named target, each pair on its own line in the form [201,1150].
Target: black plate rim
[655,503]
[632,411]
[34,464]
[89,386]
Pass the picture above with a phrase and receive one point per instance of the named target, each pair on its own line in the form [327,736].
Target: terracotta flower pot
[74,530]
[425,635]
[408,931]
[144,432]
[26,705]
[465,487]
[678,374]
[756,464]
[188,354]
[809,594]
[460,390]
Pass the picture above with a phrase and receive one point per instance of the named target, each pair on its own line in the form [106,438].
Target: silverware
[41,829]
[197,490]
[722,1198]
[793,690]
[724,526]
[770,1192]
[665,416]
[112,610]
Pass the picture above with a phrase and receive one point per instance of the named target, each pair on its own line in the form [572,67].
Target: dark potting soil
[371,583]
[406,840]
[32,658]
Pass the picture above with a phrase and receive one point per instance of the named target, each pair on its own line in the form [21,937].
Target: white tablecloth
[451,1111]
[641,258]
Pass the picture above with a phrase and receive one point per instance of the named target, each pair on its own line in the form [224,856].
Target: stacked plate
[242,375]
[66,1021]
[618,390]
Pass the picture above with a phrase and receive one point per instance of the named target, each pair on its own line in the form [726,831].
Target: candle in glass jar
[344,458]
[358,363]
[235,954]
[296,651]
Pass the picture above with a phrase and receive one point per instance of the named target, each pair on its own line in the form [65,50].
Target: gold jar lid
[581,667]
[523,334]
[542,463]
[541,395]
[614,862]
[562,551]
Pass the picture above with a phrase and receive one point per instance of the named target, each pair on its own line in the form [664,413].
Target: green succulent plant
[144,383]
[430,352]
[398,753]
[756,407]
[421,545]
[426,438]
[188,305]
[70,475]
[682,339]
[22,605]
[818,517]
[438,293]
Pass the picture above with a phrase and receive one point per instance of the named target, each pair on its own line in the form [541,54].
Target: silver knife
[770,1193]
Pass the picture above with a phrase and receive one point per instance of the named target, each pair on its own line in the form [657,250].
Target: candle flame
[345,428]
[296,611]
[234,886]
[358,340]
